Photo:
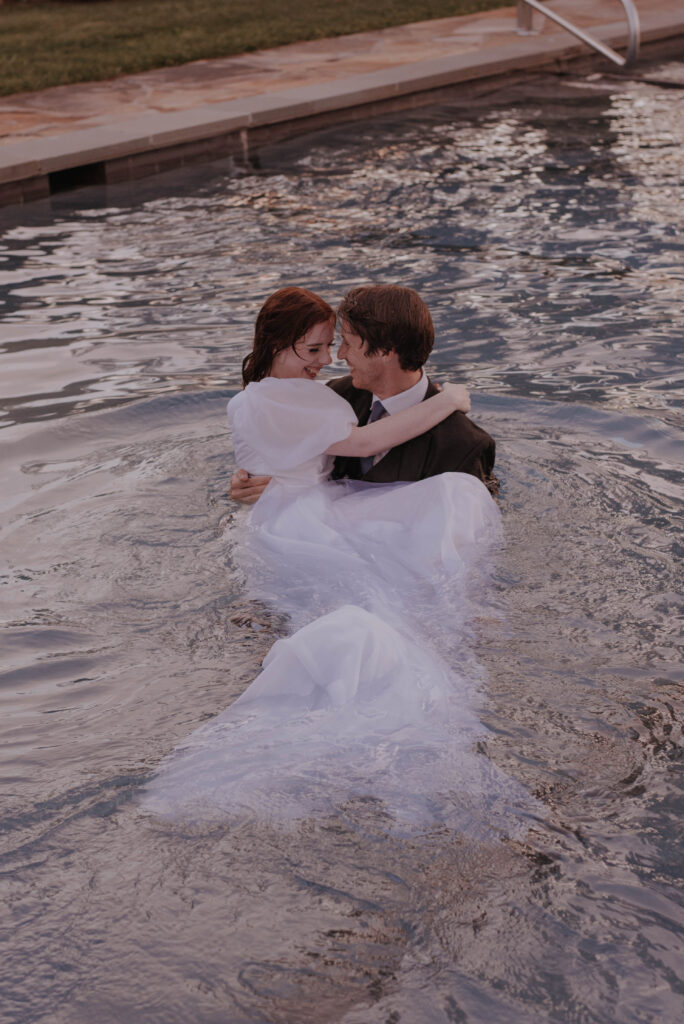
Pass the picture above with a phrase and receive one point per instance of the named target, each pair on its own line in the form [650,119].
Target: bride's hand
[459,395]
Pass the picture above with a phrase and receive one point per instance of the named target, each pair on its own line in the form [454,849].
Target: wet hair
[390,318]
[284,318]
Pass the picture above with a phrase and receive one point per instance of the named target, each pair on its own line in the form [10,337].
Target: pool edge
[157,142]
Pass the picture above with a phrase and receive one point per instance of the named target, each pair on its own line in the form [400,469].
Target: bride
[362,700]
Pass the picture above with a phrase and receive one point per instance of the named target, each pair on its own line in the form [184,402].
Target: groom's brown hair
[390,318]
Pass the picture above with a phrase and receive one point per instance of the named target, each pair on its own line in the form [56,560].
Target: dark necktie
[378,410]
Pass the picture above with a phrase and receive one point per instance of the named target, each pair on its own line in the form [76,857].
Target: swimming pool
[544,229]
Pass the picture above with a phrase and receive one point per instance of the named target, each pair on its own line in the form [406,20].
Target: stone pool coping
[114,150]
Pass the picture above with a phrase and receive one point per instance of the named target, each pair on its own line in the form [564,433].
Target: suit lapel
[405,461]
[362,407]
[348,465]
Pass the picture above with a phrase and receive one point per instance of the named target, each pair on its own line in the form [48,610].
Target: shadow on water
[544,229]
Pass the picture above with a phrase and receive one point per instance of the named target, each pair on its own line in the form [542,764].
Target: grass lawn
[47,43]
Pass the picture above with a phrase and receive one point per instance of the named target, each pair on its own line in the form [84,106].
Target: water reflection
[545,237]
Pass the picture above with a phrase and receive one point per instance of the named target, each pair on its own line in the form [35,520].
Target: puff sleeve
[287,422]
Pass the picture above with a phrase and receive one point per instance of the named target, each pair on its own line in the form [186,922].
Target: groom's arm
[247,489]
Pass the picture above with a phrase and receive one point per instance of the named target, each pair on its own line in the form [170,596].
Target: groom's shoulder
[344,387]
[460,445]
[458,423]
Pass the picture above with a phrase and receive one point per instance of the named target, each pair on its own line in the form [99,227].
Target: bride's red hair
[284,318]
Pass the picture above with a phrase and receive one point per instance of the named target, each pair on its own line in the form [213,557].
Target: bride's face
[308,356]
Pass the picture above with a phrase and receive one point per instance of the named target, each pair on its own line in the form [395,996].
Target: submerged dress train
[373,696]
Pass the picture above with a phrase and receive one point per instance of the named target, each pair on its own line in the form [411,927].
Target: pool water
[543,226]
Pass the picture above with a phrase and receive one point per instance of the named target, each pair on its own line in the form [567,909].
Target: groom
[387,336]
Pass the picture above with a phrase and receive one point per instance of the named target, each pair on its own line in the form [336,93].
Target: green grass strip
[45,44]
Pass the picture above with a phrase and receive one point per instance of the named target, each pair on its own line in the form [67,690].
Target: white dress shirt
[404,400]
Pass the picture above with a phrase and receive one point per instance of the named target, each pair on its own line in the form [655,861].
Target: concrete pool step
[145,124]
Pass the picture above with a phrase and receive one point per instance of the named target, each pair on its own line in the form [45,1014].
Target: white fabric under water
[374,694]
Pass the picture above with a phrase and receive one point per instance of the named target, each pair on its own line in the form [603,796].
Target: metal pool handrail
[525,26]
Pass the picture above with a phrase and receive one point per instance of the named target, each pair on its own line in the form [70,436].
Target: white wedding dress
[373,696]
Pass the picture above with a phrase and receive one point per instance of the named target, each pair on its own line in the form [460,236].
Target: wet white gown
[344,540]
[373,695]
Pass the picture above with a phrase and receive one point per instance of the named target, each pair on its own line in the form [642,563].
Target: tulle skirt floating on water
[374,696]
[345,709]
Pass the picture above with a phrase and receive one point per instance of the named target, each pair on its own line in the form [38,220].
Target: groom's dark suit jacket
[456,445]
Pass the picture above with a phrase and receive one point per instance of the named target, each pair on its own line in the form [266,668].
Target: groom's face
[367,371]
